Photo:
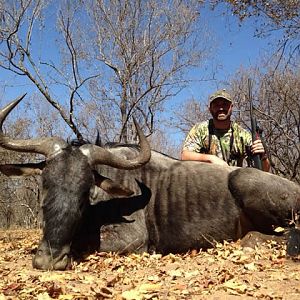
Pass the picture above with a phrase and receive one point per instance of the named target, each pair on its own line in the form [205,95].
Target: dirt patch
[225,272]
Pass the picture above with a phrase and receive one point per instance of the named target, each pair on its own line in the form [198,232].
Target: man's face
[220,109]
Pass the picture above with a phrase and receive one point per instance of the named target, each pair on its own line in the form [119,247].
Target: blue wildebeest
[132,205]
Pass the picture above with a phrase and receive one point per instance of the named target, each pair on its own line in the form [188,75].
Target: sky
[237,46]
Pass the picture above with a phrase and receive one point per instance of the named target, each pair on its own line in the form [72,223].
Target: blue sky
[237,46]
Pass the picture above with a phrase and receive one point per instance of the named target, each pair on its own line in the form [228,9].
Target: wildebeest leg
[244,225]
[267,200]
[86,239]
[126,235]
[130,235]
[117,225]
[254,238]
[125,228]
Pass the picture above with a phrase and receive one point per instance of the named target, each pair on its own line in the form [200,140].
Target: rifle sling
[211,132]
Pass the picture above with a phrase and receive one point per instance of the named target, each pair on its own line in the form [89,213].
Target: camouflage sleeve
[247,137]
[194,139]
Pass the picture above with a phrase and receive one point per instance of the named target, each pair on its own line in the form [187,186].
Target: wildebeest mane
[112,145]
[80,142]
[116,145]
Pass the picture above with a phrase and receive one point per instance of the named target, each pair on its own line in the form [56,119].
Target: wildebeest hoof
[253,239]
[47,260]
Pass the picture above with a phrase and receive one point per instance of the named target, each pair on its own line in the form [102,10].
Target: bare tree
[112,59]
[192,112]
[162,142]
[19,202]
[23,31]
[276,98]
[146,46]
[19,197]
[281,110]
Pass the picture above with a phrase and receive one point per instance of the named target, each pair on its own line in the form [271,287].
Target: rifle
[255,130]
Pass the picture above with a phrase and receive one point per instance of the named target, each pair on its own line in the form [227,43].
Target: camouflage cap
[220,94]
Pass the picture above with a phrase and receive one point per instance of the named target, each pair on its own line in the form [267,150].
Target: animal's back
[191,207]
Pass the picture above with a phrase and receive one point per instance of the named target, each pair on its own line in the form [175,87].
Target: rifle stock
[254,128]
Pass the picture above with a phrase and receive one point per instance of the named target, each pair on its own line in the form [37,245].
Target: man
[219,140]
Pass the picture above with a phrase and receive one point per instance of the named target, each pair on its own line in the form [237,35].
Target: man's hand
[207,158]
[257,148]
[216,160]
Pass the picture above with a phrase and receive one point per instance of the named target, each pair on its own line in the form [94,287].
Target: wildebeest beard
[66,180]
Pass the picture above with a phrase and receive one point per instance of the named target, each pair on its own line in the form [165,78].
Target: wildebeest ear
[97,195]
[106,189]
[23,169]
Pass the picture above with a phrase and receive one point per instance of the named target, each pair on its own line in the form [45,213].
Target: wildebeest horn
[46,146]
[98,155]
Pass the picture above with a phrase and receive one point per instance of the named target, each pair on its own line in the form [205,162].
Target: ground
[226,272]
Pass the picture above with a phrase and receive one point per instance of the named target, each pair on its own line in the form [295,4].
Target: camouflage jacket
[230,145]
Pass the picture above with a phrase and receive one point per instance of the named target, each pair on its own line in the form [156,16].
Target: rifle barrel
[254,128]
